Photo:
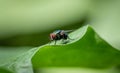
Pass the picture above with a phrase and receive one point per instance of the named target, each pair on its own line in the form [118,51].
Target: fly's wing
[57,31]
[68,31]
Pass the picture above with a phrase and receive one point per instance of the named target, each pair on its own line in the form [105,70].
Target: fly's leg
[63,41]
[55,42]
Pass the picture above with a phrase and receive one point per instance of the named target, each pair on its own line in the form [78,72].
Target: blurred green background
[29,22]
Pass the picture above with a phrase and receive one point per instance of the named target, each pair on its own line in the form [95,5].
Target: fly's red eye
[52,36]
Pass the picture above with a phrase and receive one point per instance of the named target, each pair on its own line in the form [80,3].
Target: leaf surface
[86,50]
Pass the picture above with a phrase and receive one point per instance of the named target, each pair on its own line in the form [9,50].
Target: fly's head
[52,36]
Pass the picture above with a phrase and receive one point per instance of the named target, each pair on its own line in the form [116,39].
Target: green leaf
[8,53]
[21,64]
[86,49]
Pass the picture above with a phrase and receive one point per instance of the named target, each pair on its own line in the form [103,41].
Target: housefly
[59,34]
